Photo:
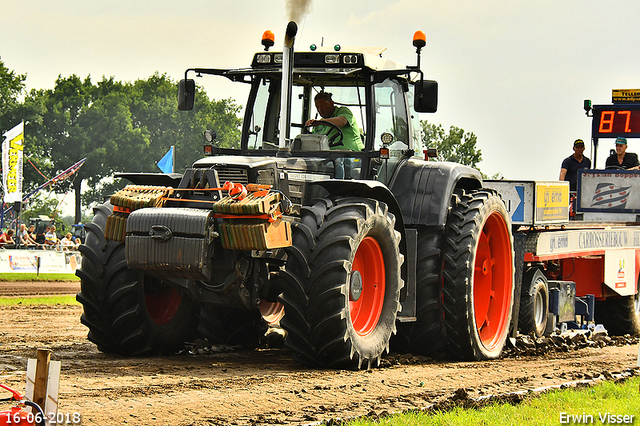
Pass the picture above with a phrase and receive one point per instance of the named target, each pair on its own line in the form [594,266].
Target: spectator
[50,237]
[67,243]
[32,233]
[25,238]
[6,238]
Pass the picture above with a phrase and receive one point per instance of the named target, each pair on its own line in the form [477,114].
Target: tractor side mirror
[425,96]
[186,94]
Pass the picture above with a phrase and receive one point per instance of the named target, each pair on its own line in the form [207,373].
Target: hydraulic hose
[39,410]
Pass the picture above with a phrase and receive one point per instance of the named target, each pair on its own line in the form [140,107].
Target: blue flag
[166,163]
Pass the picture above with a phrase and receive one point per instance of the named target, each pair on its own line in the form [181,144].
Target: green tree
[119,127]
[39,204]
[457,146]
[58,137]
[11,87]
[154,107]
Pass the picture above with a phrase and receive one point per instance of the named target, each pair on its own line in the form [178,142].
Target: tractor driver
[340,116]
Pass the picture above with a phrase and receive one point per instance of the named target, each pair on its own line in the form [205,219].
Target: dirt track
[260,387]
[38,288]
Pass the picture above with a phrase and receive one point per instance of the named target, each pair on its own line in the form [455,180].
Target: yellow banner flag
[12,151]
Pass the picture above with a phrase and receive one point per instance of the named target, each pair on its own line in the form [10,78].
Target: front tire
[478,276]
[127,312]
[342,284]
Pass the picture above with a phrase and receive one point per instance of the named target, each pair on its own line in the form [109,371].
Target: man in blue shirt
[339,116]
[573,163]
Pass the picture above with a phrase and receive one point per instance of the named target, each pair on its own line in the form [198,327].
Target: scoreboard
[622,118]
[612,121]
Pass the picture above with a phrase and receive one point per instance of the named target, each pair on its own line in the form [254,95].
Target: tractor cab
[41,223]
[375,91]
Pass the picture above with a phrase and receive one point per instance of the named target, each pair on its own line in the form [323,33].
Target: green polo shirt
[351,131]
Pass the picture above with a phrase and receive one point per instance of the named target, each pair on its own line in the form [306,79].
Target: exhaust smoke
[298,9]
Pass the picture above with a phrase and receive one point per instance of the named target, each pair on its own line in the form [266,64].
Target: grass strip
[38,300]
[603,403]
[32,276]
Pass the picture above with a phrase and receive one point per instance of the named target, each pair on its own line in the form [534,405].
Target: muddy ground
[263,386]
[38,288]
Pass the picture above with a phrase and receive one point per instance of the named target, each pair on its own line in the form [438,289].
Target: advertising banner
[611,191]
[552,201]
[43,261]
[534,202]
[587,241]
[12,150]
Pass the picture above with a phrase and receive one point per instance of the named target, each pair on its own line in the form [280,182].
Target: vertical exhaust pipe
[286,88]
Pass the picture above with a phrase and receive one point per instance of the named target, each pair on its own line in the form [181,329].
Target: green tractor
[343,248]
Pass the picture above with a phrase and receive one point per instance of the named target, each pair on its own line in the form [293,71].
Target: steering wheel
[339,135]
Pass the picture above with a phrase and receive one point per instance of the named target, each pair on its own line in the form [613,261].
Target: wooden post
[42,375]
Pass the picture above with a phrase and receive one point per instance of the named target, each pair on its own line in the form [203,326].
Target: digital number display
[612,121]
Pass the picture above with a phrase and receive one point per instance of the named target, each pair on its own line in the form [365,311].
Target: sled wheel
[342,283]
[620,315]
[127,312]
[426,336]
[477,276]
[534,303]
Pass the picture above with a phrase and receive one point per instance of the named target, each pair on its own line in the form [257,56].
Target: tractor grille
[232,174]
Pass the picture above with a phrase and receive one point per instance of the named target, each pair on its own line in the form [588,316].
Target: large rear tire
[127,312]
[342,284]
[619,315]
[534,303]
[478,276]
[426,335]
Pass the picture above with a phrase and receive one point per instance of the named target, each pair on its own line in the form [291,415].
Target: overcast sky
[515,73]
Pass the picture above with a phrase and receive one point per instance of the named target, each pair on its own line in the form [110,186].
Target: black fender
[366,189]
[161,179]
[423,189]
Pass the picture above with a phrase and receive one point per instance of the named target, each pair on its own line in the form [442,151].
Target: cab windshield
[387,115]
[265,111]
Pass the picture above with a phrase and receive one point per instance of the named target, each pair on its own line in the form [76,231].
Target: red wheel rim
[368,271]
[162,303]
[492,281]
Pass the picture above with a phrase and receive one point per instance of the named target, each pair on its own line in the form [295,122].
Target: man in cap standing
[621,158]
[573,163]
